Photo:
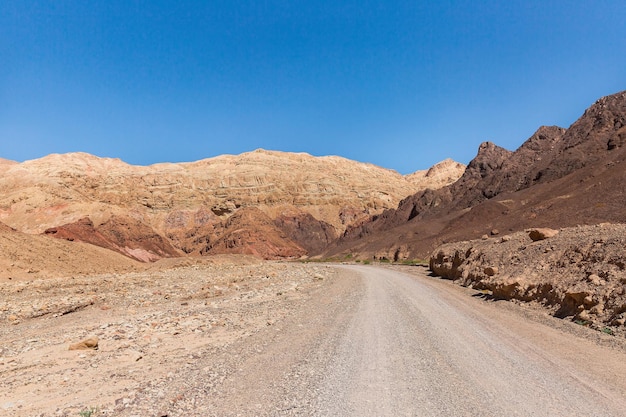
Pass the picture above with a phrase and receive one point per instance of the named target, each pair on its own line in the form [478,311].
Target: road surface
[379,342]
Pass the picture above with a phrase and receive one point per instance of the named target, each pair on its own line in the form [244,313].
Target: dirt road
[349,341]
[412,349]
[383,343]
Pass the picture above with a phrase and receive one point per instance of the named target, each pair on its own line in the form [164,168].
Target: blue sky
[401,84]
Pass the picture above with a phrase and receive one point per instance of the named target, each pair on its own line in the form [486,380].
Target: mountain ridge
[539,184]
[179,207]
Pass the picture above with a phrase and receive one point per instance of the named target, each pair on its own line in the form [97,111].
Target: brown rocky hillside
[557,178]
[300,202]
[577,272]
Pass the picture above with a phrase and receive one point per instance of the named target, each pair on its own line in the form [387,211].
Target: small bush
[607,330]
[88,412]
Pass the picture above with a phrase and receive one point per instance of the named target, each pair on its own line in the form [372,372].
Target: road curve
[378,342]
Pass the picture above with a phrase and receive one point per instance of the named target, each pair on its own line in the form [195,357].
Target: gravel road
[384,343]
[291,339]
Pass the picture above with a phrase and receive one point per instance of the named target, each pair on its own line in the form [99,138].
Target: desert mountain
[290,203]
[557,178]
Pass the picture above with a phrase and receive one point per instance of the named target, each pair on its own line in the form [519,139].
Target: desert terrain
[265,203]
[232,336]
[272,283]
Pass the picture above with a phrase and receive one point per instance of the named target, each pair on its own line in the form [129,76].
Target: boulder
[542,233]
[86,344]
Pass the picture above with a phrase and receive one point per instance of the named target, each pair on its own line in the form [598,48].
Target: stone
[594,279]
[584,315]
[491,270]
[86,344]
[542,233]
[619,321]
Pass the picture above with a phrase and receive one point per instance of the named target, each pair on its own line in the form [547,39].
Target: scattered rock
[151,342]
[491,270]
[584,315]
[89,343]
[542,233]
[594,279]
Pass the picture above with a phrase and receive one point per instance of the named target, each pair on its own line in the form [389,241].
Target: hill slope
[24,256]
[167,210]
[557,178]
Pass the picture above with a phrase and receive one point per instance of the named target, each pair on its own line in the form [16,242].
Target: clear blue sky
[401,84]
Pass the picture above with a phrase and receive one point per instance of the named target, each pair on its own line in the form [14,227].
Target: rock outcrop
[578,273]
[251,232]
[124,235]
[439,175]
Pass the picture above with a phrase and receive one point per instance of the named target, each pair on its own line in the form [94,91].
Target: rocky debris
[86,344]
[542,233]
[153,329]
[579,273]
[491,271]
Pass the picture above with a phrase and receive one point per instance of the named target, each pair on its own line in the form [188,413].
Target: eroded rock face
[305,230]
[579,273]
[169,209]
[252,232]
[25,256]
[125,235]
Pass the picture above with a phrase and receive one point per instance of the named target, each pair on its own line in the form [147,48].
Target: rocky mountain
[558,177]
[273,204]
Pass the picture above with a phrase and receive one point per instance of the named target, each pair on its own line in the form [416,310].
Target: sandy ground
[151,326]
[294,339]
